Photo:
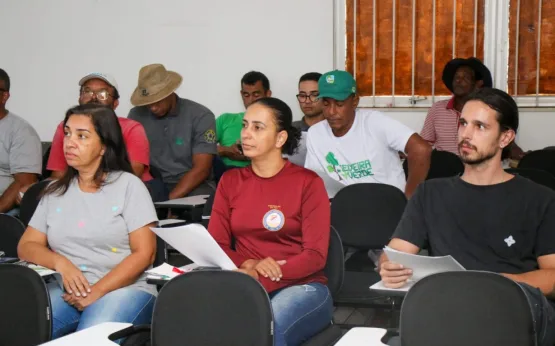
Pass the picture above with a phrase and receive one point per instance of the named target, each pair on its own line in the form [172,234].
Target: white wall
[48,45]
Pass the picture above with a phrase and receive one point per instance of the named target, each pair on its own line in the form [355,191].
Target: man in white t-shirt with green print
[361,145]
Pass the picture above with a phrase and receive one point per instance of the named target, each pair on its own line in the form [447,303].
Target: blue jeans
[127,305]
[544,315]
[13,212]
[300,312]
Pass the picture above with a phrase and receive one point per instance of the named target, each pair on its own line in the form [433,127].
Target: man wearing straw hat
[181,133]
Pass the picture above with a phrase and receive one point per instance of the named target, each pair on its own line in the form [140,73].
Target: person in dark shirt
[487,219]
[278,214]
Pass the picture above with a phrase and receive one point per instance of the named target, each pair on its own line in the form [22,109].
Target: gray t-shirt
[20,149]
[92,229]
[301,125]
[174,139]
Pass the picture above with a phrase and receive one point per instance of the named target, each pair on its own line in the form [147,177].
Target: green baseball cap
[337,84]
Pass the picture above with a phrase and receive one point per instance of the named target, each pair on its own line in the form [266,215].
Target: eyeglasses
[101,95]
[303,97]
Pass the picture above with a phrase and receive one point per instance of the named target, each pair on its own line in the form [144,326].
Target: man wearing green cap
[361,145]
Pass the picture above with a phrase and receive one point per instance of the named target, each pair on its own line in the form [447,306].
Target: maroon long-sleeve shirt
[286,217]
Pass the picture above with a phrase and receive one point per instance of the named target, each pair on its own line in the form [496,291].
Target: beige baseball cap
[103,76]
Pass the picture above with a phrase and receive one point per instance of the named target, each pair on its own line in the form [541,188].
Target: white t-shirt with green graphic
[368,153]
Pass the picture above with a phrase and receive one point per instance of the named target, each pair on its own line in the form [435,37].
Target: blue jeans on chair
[127,305]
[300,312]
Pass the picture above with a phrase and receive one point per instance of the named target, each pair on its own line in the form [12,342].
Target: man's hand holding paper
[394,275]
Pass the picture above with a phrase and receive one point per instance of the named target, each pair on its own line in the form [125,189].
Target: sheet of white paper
[423,266]
[192,201]
[363,336]
[195,242]
[169,222]
[166,271]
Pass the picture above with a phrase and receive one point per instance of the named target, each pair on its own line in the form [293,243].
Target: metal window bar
[374,53]
[413,101]
[433,50]
[517,37]
[393,29]
[475,27]
[355,39]
[538,53]
[454,28]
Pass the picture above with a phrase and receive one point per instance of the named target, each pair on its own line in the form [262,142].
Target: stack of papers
[421,266]
[168,272]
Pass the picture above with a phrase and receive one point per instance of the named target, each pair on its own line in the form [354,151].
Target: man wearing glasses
[102,89]
[312,109]
[309,102]
[20,152]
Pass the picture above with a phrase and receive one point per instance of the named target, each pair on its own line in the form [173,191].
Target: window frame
[496,57]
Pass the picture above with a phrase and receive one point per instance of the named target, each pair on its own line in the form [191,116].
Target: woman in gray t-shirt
[92,226]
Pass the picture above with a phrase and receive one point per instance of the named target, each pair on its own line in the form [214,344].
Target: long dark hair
[284,119]
[106,125]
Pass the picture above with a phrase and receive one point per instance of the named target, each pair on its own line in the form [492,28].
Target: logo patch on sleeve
[210,136]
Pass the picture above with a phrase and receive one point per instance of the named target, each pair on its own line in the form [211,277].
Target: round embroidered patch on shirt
[273,220]
[81,224]
[114,208]
[58,210]
[83,267]
[114,249]
[210,136]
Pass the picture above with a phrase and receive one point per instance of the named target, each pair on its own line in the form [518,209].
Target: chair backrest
[536,175]
[207,210]
[212,308]
[25,307]
[539,159]
[366,215]
[31,200]
[46,146]
[466,308]
[11,230]
[443,164]
[335,263]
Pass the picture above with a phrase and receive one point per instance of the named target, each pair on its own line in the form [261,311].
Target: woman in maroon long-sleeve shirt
[279,216]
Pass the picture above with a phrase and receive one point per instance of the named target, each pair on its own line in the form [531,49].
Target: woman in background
[279,217]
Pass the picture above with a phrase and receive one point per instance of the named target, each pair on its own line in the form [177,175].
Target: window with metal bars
[397,49]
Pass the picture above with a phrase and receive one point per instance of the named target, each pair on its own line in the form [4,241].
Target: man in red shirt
[102,89]
[461,77]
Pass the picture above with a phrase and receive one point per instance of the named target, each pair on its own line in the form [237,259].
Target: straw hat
[155,83]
